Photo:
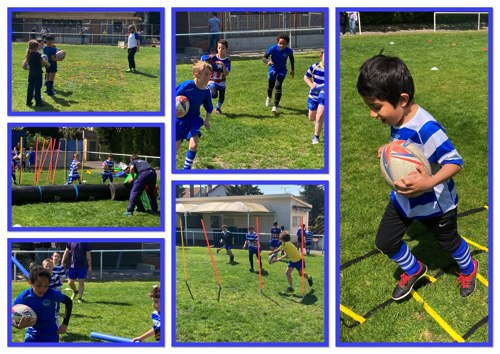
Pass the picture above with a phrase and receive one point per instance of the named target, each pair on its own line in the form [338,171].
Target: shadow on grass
[47,107]
[308,299]
[146,75]
[75,337]
[247,115]
[113,303]
[63,102]
[271,299]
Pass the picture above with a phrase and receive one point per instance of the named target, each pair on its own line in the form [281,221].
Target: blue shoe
[128,213]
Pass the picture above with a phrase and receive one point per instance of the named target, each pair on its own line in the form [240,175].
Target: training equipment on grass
[400,159]
[302,254]
[211,258]
[20,266]
[69,193]
[45,57]
[273,258]
[110,338]
[26,66]
[19,311]
[60,55]
[181,106]
[184,261]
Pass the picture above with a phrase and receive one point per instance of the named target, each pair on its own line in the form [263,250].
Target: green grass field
[118,308]
[457,96]
[96,213]
[244,314]
[247,135]
[93,79]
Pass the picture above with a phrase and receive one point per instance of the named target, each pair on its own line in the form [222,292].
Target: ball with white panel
[19,311]
[273,258]
[60,55]
[400,159]
[181,106]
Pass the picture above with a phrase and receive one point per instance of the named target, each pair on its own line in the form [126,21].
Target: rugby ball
[181,106]
[26,66]
[60,55]
[19,311]
[400,159]
[45,57]
[273,258]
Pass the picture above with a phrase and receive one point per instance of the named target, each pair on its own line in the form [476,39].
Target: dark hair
[50,37]
[224,226]
[285,236]
[134,157]
[224,42]
[385,78]
[283,36]
[37,272]
[275,223]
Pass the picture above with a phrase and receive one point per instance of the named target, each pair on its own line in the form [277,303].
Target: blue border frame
[160,343]
[97,228]
[326,321]
[325,11]
[338,342]
[10,10]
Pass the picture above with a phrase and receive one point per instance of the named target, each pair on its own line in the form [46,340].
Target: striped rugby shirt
[317,73]
[430,136]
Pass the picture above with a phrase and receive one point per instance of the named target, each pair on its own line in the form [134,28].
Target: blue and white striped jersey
[156,318]
[55,282]
[316,72]
[275,233]
[252,240]
[430,136]
[107,167]
[59,270]
[309,236]
[73,169]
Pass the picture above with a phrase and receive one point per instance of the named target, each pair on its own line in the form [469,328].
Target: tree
[179,191]
[243,189]
[314,195]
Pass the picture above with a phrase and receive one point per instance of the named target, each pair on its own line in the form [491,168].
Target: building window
[215,222]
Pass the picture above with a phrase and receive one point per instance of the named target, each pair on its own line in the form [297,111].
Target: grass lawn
[96,213]
[457,96]
[244,314]
[247,135]
[93,79]
[118,308]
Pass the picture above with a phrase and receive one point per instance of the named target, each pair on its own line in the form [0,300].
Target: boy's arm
[89,262]
[424,181]
[67,314]
[266,60]
[146,334]
[292,66]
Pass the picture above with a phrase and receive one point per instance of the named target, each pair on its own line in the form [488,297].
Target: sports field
[457,96]
[244,313]
[247,135]
[117,308]
[93,79]
[95,213]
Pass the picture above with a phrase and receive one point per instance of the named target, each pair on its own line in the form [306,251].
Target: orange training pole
[44,159]
[40,167]
[211,257]
[302,253]
[57,159]
[36,158]
[258,252]
[51,149]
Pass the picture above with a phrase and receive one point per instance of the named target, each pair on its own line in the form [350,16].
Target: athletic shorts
[77,273]
[274,75]
[312,105]
[297,265]
[186,128]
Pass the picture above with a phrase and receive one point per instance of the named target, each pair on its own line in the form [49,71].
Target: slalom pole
[258,252]
[302,253]
[184,261]
[36,159]
[212,258]
[84,151]
[44,160]
[40,166]
[57,160]
[21,161]
[65,155]
[52,147]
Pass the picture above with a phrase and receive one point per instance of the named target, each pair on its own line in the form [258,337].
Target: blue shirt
[108,167]
[317,74]
[214,24]
[50,51]
[197,97]
[59,270]
[252,241]
[218,75]
[32,157]
[155,317]
[55,282]
[44,307]
[140,166]
[424,131]
[78,254]
[227,238]
[275,233]
[279,57]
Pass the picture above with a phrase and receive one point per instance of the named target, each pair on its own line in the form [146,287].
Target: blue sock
[406,260]
[188,162]
[463,258]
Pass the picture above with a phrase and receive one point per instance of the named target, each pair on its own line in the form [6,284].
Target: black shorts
[393,227]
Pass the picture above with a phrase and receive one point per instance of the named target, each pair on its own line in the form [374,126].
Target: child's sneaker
[274,110]
[218,250]
[407,281]
[268,101]
[290,289]
[74,294]
[468,282]
[315,140]
[310,280]
[129,70]
[218,111]
[128,213]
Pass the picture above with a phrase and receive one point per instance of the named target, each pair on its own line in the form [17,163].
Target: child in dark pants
[146,177]
[35,76]
[133,44]
[253,247]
